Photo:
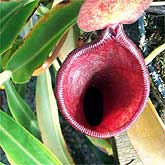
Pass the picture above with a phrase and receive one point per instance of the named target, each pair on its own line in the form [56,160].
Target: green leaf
[20,110]
[7,54]
[2,163]
[14,15]
[0,64]
[103,144]
[41,40]
[20,146]
[48,119]
[21,89]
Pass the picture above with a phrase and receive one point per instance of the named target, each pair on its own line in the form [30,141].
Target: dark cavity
[93,106]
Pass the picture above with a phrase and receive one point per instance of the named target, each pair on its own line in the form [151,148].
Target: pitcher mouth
[102,88]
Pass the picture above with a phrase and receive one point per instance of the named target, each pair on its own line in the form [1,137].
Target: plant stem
[4,76]
[154,53]
[160,3]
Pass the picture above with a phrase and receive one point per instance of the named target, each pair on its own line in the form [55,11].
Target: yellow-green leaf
[68,46]
[48,119]
[102,144]
[147,136]
[2,163]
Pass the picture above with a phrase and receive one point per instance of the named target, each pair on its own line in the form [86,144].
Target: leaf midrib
[10,13]
[58,135]
[40,50]
[46,80]
[19,145]
[13,94]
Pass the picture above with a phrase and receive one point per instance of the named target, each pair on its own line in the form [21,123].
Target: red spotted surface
[98,14]
[103,87]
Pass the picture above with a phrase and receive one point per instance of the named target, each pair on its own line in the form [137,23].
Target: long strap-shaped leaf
[102,144]
[147,135]
[20,110]
[21,147]
[41,40]
[14,15]
[48,119]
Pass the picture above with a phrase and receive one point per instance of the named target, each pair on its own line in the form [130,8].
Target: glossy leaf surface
[12,12]
[48,118]
[103,144]
[41,40]
[99,14]
[9,52]
[20,110]
[101,156]
[2,163]
[20,146]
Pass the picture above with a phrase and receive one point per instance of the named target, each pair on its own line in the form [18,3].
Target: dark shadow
[93,106]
